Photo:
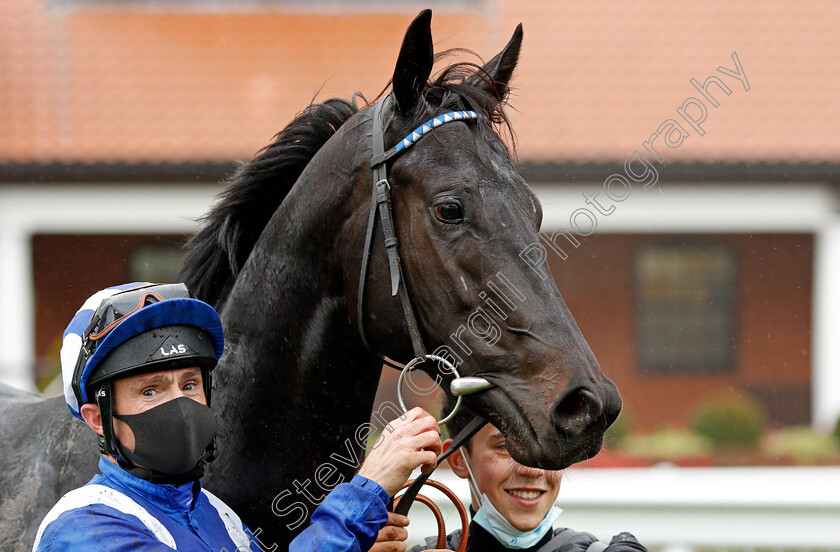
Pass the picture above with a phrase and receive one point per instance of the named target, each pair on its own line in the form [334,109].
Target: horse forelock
[229,231]
[467,86]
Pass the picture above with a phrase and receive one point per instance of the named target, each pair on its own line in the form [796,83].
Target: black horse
[280,256]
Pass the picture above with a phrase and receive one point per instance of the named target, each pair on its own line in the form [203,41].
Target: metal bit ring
[418,360]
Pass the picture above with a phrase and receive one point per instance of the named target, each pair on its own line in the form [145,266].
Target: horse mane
[218,252]
[230,230]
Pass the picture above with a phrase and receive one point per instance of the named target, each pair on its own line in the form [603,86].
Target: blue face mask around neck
[494,523]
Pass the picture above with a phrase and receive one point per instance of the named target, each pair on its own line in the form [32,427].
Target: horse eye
[449,212]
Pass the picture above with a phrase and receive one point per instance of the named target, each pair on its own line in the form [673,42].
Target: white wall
[685,508]
[29,209]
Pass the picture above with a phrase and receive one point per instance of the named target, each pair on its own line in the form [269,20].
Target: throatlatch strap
[360,310]
[463,436]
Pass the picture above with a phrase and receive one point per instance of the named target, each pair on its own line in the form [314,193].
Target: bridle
[381,204]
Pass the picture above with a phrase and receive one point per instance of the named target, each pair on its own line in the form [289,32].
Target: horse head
[284,250]
[464,218]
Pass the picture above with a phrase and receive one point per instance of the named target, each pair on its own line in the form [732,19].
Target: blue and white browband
[420,131]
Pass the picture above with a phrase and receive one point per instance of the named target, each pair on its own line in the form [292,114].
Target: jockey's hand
[410,441]
[392,536]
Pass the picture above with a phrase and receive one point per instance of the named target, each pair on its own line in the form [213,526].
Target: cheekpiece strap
[382,198]
[381,204]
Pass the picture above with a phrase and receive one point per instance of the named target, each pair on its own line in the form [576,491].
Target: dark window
[685,295]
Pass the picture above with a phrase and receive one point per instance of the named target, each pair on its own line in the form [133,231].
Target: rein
[463,436]
[381,204]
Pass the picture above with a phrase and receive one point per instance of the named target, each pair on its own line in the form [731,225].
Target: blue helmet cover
[169,312]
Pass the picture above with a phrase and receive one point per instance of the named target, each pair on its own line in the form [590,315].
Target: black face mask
[171,438]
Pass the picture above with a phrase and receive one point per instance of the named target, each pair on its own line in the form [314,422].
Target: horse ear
[414,64]
[500,68]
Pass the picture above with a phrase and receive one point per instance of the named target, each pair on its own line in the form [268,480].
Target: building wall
[70,268]
[773,324]
[597,280]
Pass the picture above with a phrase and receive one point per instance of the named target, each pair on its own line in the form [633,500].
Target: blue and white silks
[116,511]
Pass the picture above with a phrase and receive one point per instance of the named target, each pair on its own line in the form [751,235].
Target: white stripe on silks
[71,345]
[100,494]
[69,354]
[233,524]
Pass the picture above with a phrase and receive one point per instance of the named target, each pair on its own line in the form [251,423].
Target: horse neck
[295,371]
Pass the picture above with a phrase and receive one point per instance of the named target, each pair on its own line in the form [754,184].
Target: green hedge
[730,420]
[803,443]
[837,431]
[617,433]
[667,444]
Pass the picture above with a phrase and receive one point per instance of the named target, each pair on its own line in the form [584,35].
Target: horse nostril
[572,405]
[575,412]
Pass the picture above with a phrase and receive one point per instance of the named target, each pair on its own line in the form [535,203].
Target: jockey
[515,503]
[137,362]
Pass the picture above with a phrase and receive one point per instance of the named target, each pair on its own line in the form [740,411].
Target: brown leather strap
[463,436]
[381,203]
[462,513]
[441,526]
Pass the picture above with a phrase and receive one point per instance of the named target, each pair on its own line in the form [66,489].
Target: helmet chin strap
[108,443]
